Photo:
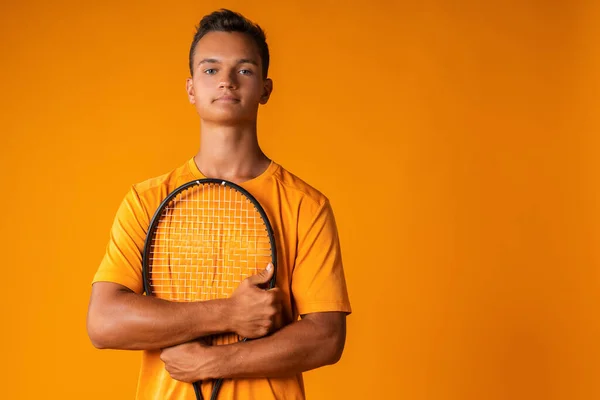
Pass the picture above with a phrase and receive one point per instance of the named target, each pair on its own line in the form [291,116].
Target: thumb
[263,276]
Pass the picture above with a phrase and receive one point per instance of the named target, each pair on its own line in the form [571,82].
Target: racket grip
[216,388]
[197,390]
[219,383]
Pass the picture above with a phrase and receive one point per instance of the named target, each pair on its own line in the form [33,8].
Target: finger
[263,276]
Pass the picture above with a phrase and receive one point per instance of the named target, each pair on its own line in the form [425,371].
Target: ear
[267,90]
[189,87]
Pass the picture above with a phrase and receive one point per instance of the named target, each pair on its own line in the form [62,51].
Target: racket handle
[219,383]
[197,390]
[216,388]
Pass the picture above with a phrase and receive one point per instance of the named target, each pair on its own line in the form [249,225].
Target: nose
[228,80]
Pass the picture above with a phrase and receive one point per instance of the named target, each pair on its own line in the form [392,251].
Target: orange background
[470,127]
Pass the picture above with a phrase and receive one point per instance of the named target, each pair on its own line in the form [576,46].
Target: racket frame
[156,219]
[150,237]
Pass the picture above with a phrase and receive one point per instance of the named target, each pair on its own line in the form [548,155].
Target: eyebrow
[215,61]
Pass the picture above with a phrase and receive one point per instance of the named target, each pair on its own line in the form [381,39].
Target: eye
[246,72]
[210,71]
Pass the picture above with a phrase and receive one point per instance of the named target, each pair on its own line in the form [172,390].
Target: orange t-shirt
[309,268]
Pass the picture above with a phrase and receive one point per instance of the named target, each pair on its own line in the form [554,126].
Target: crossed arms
[119,318]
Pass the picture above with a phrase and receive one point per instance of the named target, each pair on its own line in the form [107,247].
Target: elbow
[100,331]
[330,339]
[97,334]
[105,322]
[98,343]
[336,345]
[332,345]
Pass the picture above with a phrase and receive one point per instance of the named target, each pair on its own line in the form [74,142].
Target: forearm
[126,320]
[298,347]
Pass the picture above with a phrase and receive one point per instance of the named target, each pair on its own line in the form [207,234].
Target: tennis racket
[205,238]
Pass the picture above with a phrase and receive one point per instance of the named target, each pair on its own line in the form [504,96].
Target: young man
[229,60]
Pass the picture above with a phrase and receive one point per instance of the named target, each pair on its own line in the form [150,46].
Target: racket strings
[208,239]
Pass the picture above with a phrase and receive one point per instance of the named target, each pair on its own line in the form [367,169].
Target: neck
[230,152]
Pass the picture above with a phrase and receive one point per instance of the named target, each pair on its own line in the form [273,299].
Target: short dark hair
[229,21]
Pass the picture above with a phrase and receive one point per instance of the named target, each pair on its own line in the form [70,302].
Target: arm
[316,340]
[118,318]
[319,291]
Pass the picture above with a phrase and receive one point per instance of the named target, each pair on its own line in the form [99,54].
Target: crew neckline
[264,175]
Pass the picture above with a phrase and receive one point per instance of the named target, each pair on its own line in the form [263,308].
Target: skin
[121,319]
[226,88]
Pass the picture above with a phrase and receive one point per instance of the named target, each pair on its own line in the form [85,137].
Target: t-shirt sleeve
[122,262]
[318,281]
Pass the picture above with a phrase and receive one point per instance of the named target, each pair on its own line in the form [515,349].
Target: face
[227,85]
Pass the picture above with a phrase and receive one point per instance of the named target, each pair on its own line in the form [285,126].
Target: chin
[226,118]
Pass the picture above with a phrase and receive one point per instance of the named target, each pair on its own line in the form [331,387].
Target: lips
[228,98]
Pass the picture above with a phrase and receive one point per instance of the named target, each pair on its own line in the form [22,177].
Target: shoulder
[175,177]
[298,191]
[152,191]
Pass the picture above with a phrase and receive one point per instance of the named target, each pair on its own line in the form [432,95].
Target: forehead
[227,45]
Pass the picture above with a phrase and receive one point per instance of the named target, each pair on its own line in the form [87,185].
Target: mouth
[227,98]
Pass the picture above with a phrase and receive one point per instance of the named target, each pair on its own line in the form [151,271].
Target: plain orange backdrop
[457,141]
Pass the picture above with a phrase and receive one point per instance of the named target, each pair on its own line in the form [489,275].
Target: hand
[255,312]
[190,362]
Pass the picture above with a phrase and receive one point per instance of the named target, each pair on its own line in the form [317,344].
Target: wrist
[227,357]
[212,317]
[226,315]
